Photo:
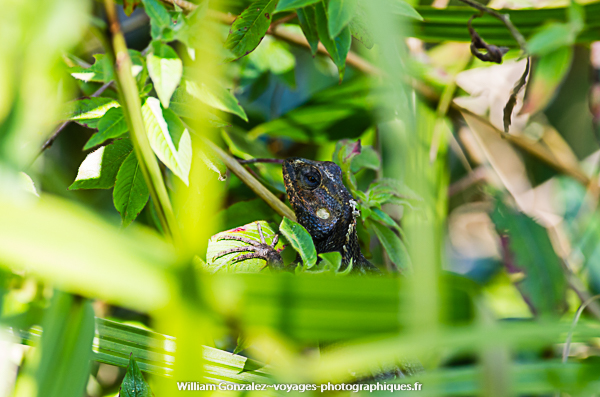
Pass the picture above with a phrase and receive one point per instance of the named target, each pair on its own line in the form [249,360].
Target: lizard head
[317,194]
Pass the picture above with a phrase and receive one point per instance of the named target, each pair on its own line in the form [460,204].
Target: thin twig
[259,160]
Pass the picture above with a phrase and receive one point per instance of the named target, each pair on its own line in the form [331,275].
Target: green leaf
[548,73]
[99,169]
[157,13]
[400,7]
[165,69]
[101,71]
[168,137]
[308,23]
[340,13]
[213,94]
[530,250]
[331,261]
[89,111]
[301,240]
[290,5]
[394,247]
[368,158]
[250,27]
[549,38]
[134,384]
[111,125]
[60,364]
[359,28]
[226,263]
[384,218]
[131,192]
[337,47]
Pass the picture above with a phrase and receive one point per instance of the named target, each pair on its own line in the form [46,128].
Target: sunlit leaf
[89,111]
[131,192]
[99,169]
[165,69]
[111,125]
[301,240]
[340,12]
[250,27]
[168,137]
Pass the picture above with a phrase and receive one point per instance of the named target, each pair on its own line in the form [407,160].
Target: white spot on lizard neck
[323,213]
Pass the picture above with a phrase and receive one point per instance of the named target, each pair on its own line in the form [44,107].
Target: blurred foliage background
[127,134]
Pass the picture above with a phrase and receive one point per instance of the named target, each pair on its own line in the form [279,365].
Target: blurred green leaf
[340,12]
[547,75]
[529,250]
[550,37]
[131,192]
[61,363]
[165,69]
[308,23]
[394,247]
[301,240]
[226,263]
[168,137]
[214,95]
[337,47]
[88,112]
[250,27]
[111,125]
[289,5]
[99,169]
[53,238]
[134,384]
[359,28]
[400,7]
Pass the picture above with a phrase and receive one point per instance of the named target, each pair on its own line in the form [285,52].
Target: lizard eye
[312,179]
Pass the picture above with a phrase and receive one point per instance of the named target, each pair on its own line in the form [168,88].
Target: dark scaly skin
[325,208]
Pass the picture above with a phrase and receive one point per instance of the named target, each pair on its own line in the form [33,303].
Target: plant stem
[131,104]
[252,182]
